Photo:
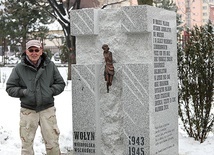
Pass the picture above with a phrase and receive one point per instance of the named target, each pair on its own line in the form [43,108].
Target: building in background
[195,12]
[54,41]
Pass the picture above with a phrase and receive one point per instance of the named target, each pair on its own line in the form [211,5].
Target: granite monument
[139,115]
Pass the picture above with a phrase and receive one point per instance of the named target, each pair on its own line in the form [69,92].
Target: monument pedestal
[139,115]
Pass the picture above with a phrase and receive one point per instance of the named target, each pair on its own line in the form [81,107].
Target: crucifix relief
[109,68]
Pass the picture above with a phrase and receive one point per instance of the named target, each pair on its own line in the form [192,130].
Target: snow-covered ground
[9,124]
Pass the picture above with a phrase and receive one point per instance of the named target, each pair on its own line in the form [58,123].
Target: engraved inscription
[162,59]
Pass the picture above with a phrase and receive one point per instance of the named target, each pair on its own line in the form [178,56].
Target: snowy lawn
[9,124]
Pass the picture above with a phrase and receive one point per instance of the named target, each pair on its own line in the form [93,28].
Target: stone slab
[84,22]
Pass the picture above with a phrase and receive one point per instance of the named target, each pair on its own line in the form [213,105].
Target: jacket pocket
[47,95]
[29,97]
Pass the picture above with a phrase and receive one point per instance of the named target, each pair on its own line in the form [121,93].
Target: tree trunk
[72,55]
[144,2]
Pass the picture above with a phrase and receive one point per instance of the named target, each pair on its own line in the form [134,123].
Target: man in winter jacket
[35,81]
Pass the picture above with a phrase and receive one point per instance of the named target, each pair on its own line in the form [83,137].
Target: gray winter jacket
[35,86]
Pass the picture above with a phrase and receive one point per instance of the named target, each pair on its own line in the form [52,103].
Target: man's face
[34,54]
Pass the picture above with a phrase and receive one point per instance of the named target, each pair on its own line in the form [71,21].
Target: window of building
[204,14]
[204,7]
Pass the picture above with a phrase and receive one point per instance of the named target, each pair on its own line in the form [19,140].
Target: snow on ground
[188,146]
[9,124]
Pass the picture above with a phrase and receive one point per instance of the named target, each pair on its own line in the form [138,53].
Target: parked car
[13,60]
[56,58]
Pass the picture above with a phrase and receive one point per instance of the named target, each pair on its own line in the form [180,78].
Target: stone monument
[139,115]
